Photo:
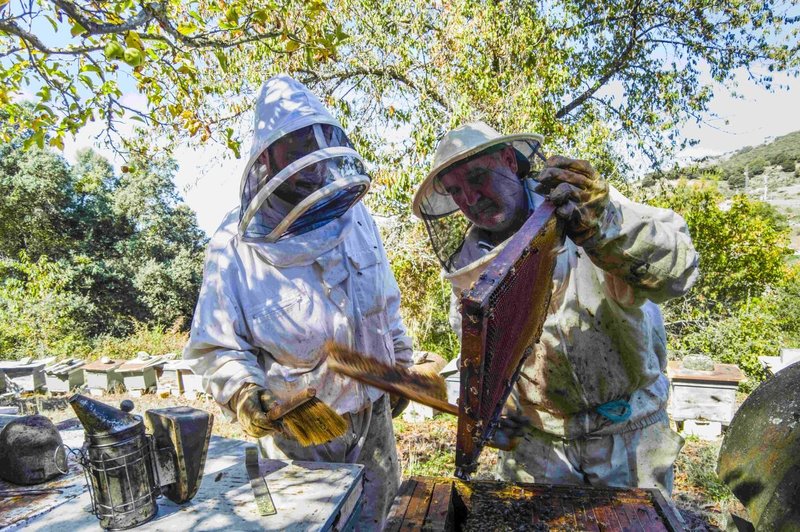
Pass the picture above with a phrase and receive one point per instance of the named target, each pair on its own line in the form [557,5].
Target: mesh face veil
[448,226]
[299,182]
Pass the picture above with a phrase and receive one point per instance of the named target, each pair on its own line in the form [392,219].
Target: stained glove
[246,403]
[578,192]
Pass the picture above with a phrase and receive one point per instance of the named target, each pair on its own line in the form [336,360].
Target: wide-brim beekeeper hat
[434,205]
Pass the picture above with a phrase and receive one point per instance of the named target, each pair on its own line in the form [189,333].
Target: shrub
[756,167]
[38,316]
[425,294]
[153,339]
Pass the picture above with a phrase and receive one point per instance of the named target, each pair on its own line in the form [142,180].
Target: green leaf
[77,29]
[222,59]
[231,15]
[57,142]
[86,81]
[186,29]
[49,18]
[91,67]
[132,40]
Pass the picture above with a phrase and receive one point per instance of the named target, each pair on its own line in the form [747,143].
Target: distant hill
[770,171]
[782,153]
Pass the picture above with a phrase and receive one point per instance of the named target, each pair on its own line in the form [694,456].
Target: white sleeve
[218,347]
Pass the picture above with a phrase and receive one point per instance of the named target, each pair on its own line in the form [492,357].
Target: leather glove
[398,404]
[578,192]
[246,402]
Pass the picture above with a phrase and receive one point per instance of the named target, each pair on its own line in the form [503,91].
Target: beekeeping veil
[447,226]
[302,171]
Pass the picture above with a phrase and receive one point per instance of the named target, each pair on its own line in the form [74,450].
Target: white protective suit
[603,340]
[265,310]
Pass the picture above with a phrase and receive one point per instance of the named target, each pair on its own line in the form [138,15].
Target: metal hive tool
[502,318]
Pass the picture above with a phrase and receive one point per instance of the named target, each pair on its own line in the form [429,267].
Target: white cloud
[208,179]
[747,121]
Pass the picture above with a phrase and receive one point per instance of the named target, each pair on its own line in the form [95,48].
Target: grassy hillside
[770,172]
[781,154]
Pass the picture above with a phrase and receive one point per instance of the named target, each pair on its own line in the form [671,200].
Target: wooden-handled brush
[304,417]
[422,388]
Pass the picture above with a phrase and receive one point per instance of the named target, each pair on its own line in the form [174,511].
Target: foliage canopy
[746,300]
[586,75]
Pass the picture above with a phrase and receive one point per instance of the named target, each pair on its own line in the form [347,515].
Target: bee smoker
[129,461]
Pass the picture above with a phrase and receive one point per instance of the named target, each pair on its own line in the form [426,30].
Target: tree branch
[140,19]
[616,66]
[386,72]
[11,27]
[201,41]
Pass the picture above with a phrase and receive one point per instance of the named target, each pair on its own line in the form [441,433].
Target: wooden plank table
[307,496]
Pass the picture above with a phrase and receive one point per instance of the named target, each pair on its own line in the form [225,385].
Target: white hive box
[65,375]
[773,365]
[23,375]
[192,385]
[172,376]
[452,379]
[102,376]
[139,374]
[703,397]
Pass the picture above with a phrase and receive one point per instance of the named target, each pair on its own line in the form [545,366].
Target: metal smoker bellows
[127,469]
[502,318]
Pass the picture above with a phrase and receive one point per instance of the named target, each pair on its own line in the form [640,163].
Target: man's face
[488,191]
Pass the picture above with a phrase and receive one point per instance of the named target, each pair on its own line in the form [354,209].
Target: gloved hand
[510,429]
[398,404]
[246,403]
[578,192]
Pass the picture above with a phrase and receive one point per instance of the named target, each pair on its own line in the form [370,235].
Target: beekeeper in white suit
[298,263]
[595,387]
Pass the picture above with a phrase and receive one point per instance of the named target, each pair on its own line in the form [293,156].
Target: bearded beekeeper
[298,263]
[594,388]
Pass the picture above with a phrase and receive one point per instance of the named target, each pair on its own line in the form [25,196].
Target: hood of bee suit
[302,173]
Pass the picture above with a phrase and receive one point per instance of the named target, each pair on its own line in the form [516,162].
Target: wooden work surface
[432,503]
[307,496]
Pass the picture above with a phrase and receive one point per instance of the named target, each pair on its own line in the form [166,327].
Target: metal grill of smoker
[502,318]
[122,480]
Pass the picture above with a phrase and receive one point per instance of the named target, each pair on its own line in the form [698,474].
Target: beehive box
[64,376]
[708,396]
[432,503]
[192,385]
[171,379]
[23,375]
[102,376]
[139,374]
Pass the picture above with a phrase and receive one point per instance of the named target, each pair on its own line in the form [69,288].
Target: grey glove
[578,192]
